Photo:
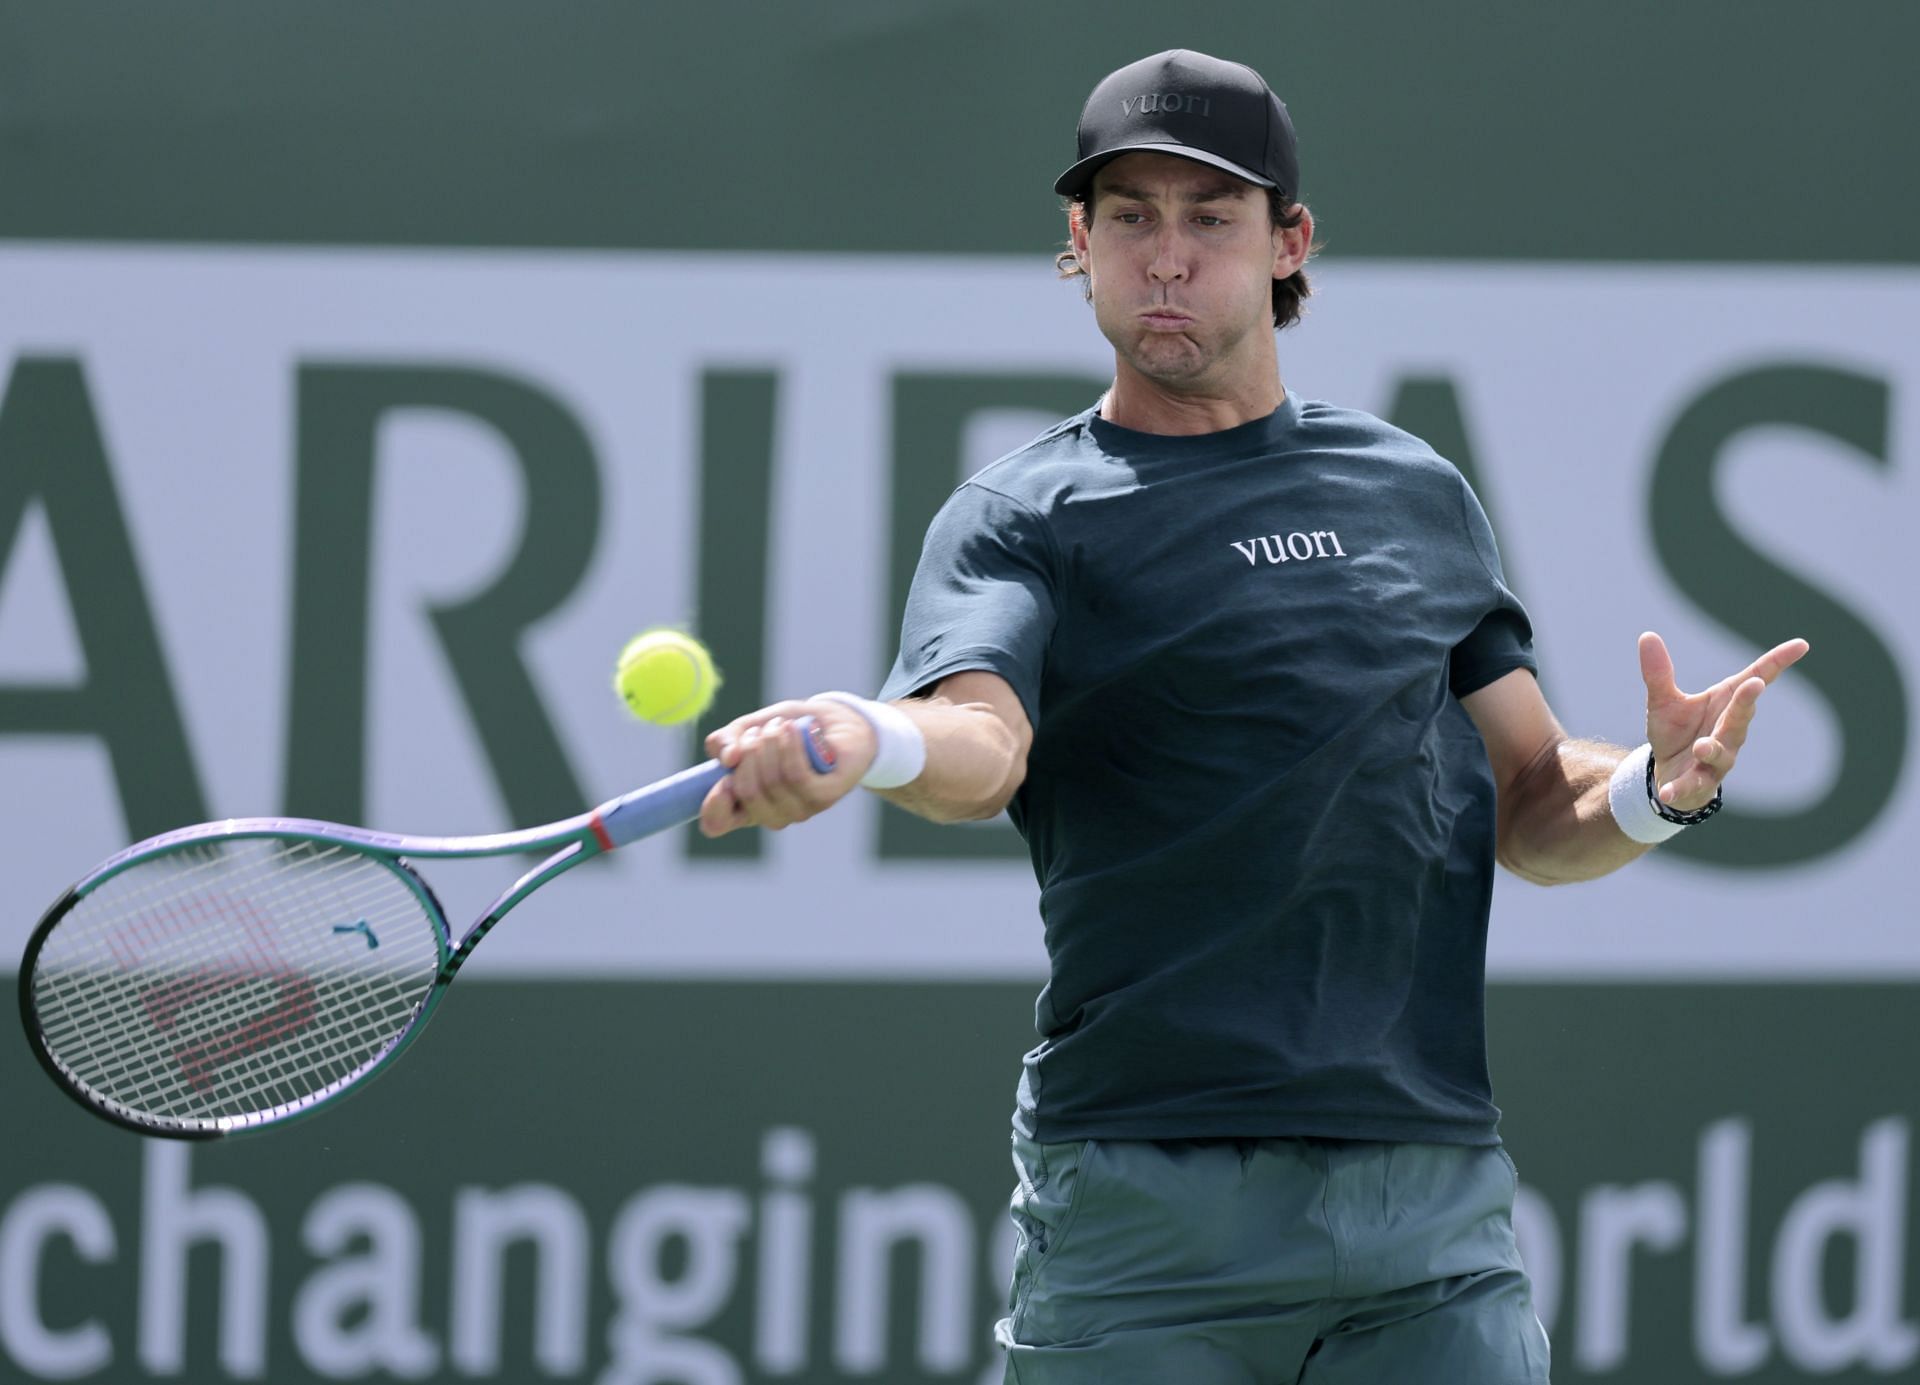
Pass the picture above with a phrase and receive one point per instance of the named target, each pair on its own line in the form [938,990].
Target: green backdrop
[803,1180]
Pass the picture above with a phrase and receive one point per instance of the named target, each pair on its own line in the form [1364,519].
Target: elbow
[1011,752]
[1014,773]
[980,810]
[993,807]
[1513,856]
[1515,866]
[979,781]
[1522,803]
[1537,868]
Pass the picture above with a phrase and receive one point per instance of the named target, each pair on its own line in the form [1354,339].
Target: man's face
[1182,258]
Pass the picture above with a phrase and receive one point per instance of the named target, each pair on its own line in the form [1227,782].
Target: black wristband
[1684,819]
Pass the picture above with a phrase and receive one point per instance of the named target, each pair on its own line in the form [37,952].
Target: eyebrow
[1226,190]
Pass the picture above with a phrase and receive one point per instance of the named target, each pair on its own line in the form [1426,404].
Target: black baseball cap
[1186,103]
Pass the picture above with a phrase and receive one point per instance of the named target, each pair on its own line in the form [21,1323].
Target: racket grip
[676,800]
[819,753]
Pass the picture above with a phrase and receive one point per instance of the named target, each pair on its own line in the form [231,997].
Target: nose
[1168,264]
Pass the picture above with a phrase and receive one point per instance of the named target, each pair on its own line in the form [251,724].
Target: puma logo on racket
[359,926]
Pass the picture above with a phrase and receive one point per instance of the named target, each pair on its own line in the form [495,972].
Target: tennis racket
[223,978]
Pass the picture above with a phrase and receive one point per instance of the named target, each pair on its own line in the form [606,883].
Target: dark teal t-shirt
[1262,824]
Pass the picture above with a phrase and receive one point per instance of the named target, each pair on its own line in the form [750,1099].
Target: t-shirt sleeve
[1503,640]
[982,598]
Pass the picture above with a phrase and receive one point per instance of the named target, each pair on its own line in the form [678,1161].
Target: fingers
[720,811]
[1718,749]
[1775,661]
[761,781]
[1730,732]
[1697,735]
[1693,783]
[800,791]
[723,810]
[1656,669]
[1711,757]
[724,742]
[1696,783]
[773,783]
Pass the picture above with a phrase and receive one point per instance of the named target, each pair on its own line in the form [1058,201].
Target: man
[1246,674]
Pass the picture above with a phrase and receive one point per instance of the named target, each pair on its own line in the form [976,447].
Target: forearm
[1556,826]
[975,761]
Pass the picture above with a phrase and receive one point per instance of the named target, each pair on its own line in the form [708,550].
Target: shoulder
[1332,428]
[1038,475]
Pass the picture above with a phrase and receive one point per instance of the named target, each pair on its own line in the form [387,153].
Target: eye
[1209,220]
[1130,218]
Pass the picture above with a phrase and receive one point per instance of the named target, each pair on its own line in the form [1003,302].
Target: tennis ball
[665,677]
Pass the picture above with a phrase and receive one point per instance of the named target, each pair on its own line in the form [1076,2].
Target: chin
[1170,365]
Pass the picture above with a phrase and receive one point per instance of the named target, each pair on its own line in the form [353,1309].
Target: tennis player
[1245,672]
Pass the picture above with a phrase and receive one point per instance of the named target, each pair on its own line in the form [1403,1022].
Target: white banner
[1569,382]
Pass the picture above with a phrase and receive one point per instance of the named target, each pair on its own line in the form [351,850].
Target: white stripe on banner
[1568,380]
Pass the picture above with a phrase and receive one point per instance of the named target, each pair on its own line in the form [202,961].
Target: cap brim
[1079,178]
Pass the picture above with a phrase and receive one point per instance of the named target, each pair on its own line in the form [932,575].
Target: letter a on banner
[51,452]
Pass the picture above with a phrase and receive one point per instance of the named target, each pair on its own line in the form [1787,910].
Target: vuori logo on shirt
[1172,102]
[1295,547]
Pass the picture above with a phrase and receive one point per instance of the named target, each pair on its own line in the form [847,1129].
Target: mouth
[1165,320]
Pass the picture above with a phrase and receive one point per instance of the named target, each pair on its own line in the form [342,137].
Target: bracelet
[900,748]
[1637,811]
[1674,815]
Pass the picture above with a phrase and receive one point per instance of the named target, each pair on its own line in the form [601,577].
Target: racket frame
[571,841]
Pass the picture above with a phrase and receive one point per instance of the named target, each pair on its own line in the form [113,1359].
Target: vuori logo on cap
[1171,102]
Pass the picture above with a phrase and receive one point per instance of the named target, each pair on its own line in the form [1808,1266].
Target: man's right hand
[773,784]
[977,737]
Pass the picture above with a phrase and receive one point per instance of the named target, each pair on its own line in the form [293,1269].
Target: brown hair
[1288,293]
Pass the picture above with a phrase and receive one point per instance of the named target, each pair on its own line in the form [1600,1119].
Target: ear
[1292,245]
[1077,232]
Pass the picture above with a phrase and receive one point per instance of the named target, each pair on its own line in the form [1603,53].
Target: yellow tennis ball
[666,677]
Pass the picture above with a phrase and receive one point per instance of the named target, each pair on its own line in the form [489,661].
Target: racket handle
[819,754]
[677,799]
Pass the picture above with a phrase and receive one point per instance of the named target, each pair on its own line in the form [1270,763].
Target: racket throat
[559,863]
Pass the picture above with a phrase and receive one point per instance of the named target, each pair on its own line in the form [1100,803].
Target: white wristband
[1627,796]
[902,750]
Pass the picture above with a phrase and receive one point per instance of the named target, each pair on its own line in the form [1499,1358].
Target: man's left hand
[1697,736]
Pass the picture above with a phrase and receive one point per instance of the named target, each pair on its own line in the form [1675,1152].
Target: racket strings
[234,978]
[244,1005]
[128,1043]
[264,996]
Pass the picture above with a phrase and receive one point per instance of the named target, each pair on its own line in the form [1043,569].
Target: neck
[1151,406]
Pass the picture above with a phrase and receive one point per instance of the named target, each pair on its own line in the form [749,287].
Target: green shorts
[1268,1262]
